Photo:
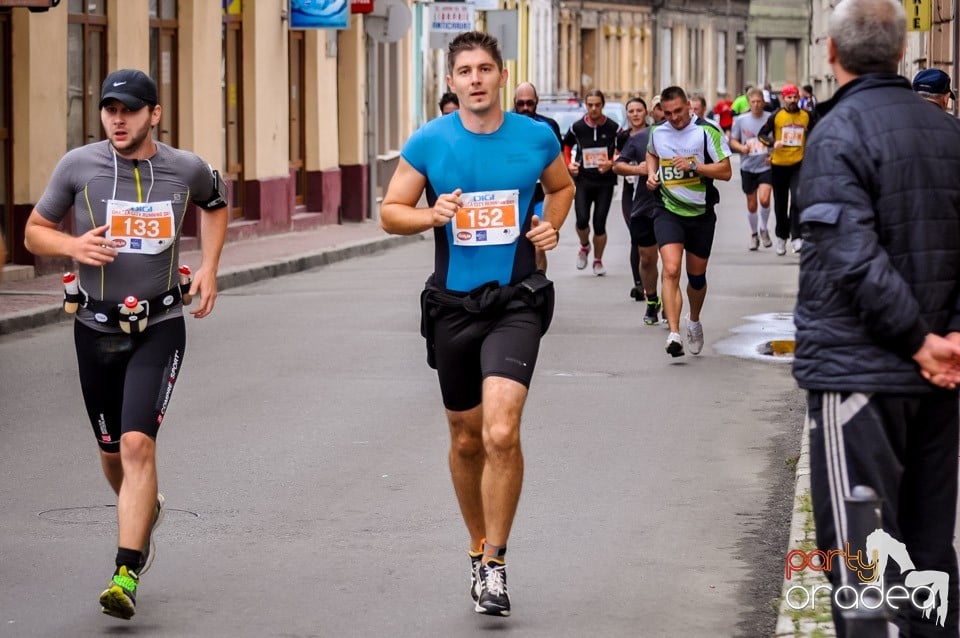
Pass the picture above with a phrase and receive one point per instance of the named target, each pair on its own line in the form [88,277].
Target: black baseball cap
[135,89]
[933,81]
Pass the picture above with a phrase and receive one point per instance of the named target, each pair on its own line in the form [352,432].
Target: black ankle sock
[129,557]
[653,298]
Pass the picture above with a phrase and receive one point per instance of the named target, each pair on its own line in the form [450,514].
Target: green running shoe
[652,318]
[119,598]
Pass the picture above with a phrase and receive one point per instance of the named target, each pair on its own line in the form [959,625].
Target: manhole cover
[96,514]
[579,374]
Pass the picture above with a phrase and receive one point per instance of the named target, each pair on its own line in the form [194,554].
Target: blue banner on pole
[319,14]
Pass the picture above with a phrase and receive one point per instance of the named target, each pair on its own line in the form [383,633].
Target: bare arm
[213,232]
[44,238]
[399,214]
[716,170]
[738,147]
[622,168]
[558,193]
[653,171]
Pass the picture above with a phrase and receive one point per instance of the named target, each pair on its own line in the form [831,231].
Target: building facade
[640,48]
[933,44]
[778,43]
[284,114]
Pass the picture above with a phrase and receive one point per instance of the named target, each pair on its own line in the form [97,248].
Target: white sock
[764,216]
[752,218]
[692,323]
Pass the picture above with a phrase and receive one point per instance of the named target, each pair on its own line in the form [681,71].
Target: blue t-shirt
[511,158]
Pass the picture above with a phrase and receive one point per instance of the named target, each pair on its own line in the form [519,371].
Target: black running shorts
[695,233]
[641,230]
[471,348]
[127,380]
[750,182]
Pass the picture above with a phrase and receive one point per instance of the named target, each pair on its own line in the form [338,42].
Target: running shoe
[674,345]
[598,268]
[637,294]
[754,242]
[494,599]
[797,245]
[765,238]
[150,551]
[582,257]
[781,247]
[652,316]
[119,598]
[694,336]
[476,563]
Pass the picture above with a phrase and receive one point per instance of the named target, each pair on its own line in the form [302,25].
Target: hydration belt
[535,292]
[107,313]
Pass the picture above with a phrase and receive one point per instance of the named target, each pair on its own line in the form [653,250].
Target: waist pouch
[107,313]
[491,299]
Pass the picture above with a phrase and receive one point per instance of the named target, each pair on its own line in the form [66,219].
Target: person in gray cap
[933,85]
[129,194]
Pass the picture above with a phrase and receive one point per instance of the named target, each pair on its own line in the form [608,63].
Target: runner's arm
[399,214]
[737,146]
[766,132]
[43,237]
[653,171]
[558,193]
[716,170]
[213,232]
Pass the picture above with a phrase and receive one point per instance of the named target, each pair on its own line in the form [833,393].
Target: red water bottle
[71,288]
[133,319]
[185,279]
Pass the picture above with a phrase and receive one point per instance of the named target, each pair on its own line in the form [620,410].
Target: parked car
[617,112]
[568,112]
[565,113]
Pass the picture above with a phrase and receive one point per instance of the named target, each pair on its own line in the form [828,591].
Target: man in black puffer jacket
[878,315]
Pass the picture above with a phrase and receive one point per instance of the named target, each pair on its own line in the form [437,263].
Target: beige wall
[352,84]
[320,95]
[266,90]
[39,101]
[201,101]
[128,35]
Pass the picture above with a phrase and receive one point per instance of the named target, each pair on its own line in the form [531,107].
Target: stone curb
[231,277]
[798,535]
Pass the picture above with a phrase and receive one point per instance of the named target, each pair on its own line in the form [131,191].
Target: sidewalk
[30,303]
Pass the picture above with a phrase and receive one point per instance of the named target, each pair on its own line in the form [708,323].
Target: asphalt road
[304,464]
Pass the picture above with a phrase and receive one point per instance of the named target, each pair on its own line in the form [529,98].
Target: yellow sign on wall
[918,14]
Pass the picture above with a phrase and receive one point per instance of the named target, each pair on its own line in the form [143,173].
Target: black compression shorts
[470,348]
[127,380]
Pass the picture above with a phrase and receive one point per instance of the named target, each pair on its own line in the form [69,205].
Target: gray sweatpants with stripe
[905,447]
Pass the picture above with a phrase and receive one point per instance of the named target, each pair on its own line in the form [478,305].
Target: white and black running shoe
[494,599]
[476,563]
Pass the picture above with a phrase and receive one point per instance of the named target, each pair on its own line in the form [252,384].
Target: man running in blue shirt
[486,306]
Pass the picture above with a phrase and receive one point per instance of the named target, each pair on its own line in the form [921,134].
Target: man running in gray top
[756,176]
[129,195]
